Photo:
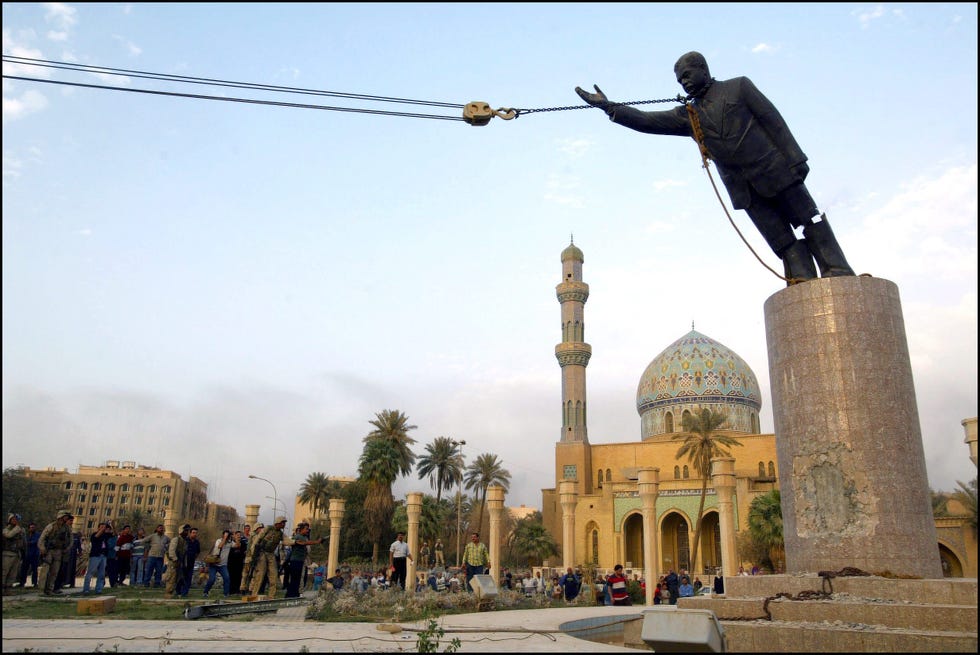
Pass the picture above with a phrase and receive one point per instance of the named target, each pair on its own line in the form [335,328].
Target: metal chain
[677,98]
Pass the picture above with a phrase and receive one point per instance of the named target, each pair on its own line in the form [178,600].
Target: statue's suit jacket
[748,140]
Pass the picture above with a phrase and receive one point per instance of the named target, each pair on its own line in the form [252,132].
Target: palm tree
[766,524]
[315,492]
[966,496]
[442,464]
[530,541]
[701,445]
[379,467]
[484,471]
[392,426]
[939,501]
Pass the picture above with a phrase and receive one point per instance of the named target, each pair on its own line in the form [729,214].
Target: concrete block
[97,605]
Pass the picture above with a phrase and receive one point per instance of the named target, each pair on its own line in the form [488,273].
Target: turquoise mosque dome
[692,373]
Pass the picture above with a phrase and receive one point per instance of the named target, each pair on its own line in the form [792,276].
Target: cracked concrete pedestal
[851,465]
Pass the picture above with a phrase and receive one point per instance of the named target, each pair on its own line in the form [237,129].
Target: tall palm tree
[392,426]
[315,492]
[765,521]
[442,464]
[701,444]
[378,467]
[484,471]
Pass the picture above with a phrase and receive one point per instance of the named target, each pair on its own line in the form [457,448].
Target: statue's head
[692,72]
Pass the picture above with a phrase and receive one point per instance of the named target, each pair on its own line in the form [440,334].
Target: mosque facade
[692,373]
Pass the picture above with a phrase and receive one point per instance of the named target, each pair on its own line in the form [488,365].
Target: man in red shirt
[617,587]
[124,553]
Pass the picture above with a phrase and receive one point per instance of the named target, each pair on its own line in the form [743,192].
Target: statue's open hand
[597,99]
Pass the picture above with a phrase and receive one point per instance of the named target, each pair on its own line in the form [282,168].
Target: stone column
[170,522]
[970,427]
[336,513]
[649,488]
[252,516]
[413,505]
[568,497]
[495,503]
[723,480]
[851,464]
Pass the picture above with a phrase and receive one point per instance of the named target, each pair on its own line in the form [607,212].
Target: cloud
[133,49]
[660,185]
[574,147]
[27,103]
[866,16]
[60,15]
[764,48]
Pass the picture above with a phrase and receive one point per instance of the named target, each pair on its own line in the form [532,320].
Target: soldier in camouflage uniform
[264,558]
[53,544]
[14,550]
[250,558]
[176,553]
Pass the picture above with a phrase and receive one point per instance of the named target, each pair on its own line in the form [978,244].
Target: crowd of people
[259,562]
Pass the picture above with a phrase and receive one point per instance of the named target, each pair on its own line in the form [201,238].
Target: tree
[530,542]
[317,491]
[378,467]
[442,464]
[433,515]
[136,518]
[765,521]
[939,501]
[701,445]
[392,426]
[34,501]
[486,470]
[966,496]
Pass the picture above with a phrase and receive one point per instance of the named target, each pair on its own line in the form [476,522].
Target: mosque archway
[675,543]
[633,541]
[952,567]
[710,550]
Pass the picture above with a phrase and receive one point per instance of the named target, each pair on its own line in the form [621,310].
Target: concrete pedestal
[851,464]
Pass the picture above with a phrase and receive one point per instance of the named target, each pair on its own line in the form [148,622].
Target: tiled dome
[572,252]
[697,371]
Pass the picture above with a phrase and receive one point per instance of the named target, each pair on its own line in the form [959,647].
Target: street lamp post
[275,498]
[277,504]
[459,505]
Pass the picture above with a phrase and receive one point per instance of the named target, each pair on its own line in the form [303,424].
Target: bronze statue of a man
[757,157]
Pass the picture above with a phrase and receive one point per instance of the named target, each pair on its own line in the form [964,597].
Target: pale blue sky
[225,289]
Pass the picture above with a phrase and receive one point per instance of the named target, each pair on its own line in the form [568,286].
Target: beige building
[99,493]
[694,372]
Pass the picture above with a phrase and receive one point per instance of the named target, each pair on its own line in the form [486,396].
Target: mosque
[694,372]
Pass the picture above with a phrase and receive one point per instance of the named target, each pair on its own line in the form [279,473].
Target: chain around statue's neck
[704,89]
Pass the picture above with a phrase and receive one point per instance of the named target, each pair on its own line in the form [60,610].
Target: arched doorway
[675,543]
[633,541]
[710,550]
[952,568]
[592,542]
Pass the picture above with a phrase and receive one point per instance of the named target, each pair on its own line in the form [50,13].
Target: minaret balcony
[572,291]
[573,353]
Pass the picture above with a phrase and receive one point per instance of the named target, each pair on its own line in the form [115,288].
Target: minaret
[573,353]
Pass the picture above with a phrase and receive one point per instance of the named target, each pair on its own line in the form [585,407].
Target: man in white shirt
[398,556]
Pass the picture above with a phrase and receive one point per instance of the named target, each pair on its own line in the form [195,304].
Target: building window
[124,486]
[67,498]
[151,501]
[762,470]
[687,473]
[91,511]
[600,477]
[83,485]
[123,499]
[96,486]
[108,511]
[111,486]
[109,498]
[139,500]
[570,472]
[91,524]
[79,511]
[677,472]
[595,547]
[608,475]
[138,488]
[166,502]
[166,489]
[668,422]
[68,484]
[772,470]
[95,498]
[151,488]
[81,498]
